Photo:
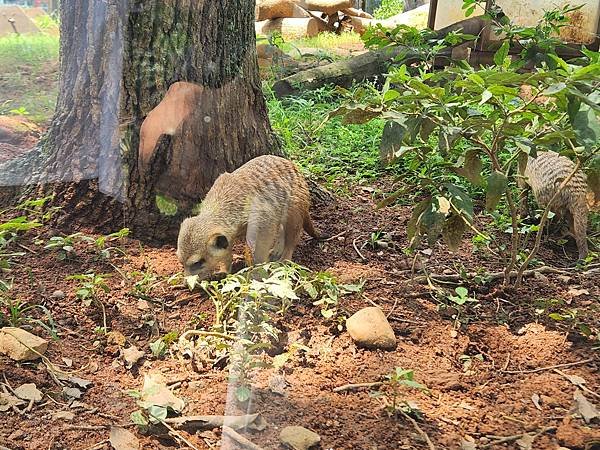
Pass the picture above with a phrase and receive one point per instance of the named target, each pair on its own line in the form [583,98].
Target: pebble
[21,345]
[299,438]
[369,328]
[58,294]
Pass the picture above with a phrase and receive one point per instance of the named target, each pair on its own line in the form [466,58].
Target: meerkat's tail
[310,229]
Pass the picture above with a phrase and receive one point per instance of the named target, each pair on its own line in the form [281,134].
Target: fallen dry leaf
[63,415]
[131,356]
[29,392]
[587,410]
[121,439]
[116,338]
[156,393]
[573,292]
[526,442]
[535,398]
[72,392]
[7,401]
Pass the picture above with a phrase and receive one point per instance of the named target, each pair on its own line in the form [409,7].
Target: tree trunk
[157,98]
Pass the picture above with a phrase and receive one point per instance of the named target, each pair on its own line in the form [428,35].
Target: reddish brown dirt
[474,362]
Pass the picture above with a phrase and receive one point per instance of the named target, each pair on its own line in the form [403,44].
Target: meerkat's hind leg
[261,238]
[279,247]
[293,231]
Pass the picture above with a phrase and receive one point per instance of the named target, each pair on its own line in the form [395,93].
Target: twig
[490,276]
[516,437]
[206,333]
[419,430]
[98,446]
[505,366]
[178,436]
[237,437]
[580,386]
[541,369]
[351,387]
[357,250]
[330,238]
[27,248]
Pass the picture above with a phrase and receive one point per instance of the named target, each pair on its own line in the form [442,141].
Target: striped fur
[266,202]
[544,174]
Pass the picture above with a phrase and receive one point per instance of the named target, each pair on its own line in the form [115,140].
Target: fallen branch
[351,387]
[419,430]
[210,422]
[541,369]
[490,276]
[516,437]
[579,385]
[358,251]
[241,440]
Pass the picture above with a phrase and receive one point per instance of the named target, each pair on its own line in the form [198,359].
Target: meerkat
[544,174]
[266,202]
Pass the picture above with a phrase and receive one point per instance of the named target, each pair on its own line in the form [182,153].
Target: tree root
[490,276]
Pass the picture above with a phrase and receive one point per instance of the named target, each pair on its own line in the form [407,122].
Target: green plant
[249,303]
[16,313]
[470,127]
[391,392]
[90,286]
[389,8]
[461,297]
[104,251]
[65,245]
[554,309]
[160,346]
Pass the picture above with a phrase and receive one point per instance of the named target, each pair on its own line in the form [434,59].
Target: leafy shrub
[389,8]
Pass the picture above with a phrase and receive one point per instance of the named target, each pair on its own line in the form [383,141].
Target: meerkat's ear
[221,242]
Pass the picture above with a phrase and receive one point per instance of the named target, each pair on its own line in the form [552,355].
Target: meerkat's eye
[197,265]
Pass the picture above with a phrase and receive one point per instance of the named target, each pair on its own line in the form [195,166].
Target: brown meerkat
[544,174]
[266,202]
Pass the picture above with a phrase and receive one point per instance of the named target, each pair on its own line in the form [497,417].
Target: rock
[21,345]
[16,435]
[58,294]
[369,328]
[63,415]
[29,392]
[299,438]
[131,356]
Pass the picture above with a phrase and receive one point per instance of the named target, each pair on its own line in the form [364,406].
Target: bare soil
[477,362]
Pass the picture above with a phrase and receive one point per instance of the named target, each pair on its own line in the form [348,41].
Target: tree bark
[156,99]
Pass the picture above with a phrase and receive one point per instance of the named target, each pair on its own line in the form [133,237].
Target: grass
[330,41]
[333,152]
[28,75]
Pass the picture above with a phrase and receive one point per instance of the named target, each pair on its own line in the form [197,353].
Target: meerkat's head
[203,248]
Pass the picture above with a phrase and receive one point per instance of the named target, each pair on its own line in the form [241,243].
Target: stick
[490,276]
[419,430]
[206,333]
[541,369]
[210,422]
[351,387]
[516,437]
[229,432]
[178,436]
[580,386]
[357,250]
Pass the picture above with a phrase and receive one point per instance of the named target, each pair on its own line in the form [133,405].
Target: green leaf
[391,140]
[138,418]
[502,53]
[453,230]
[586,127]
[462,291]
[390,95]
[447,138]
[243,393]
[555,88]
[471,169]
[485,96]
[497,183]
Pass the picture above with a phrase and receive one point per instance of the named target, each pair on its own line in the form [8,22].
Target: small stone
[369,328]
[299,438]
[541,277]
[58,294]
[21,345]
[63,415]
[16,435]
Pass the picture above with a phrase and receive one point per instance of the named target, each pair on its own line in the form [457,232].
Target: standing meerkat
[266,202]
[544,174]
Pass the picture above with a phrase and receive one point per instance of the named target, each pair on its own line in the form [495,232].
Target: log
[355,12]
[291,28]
[279,9]
[340,73]
[362,67]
